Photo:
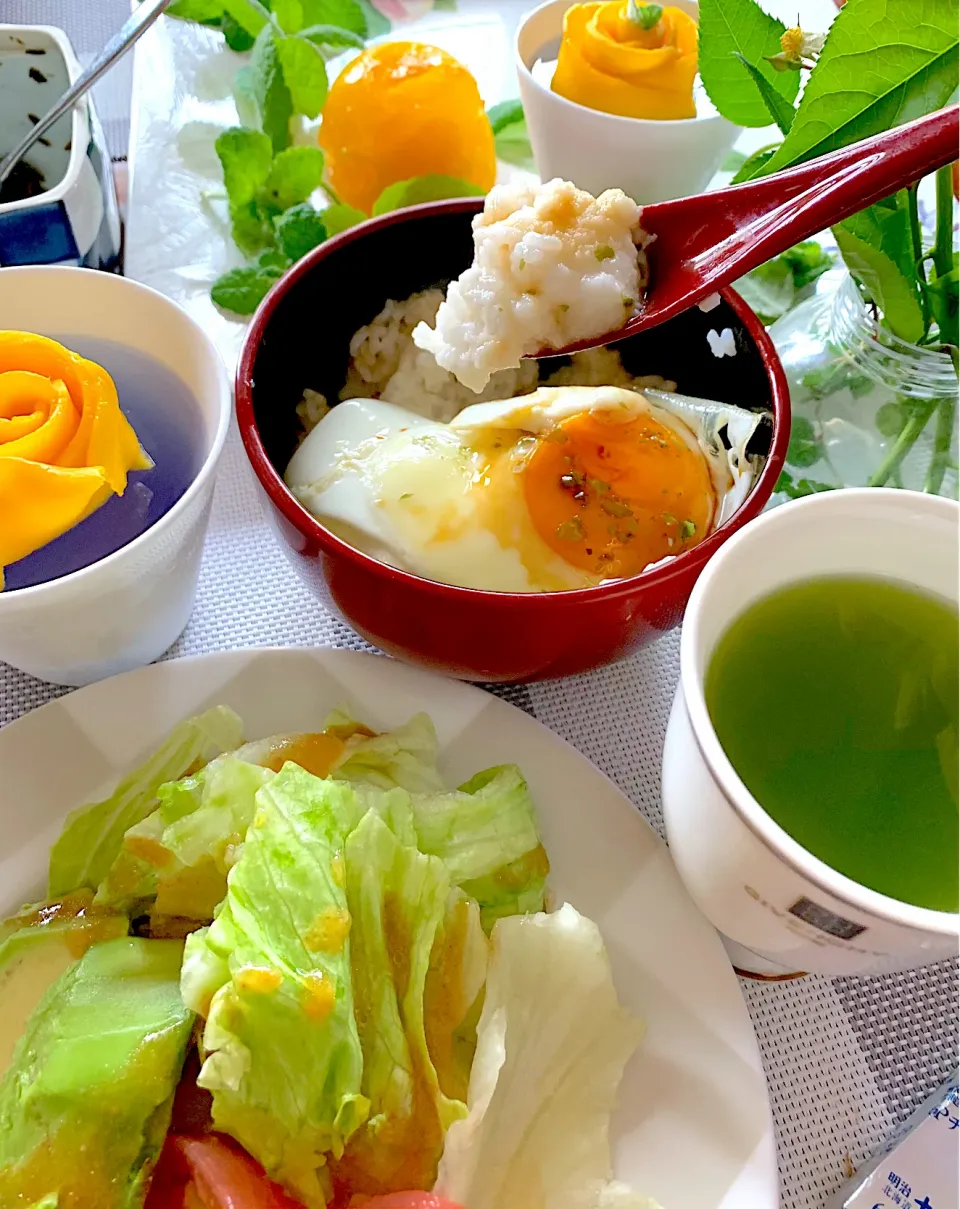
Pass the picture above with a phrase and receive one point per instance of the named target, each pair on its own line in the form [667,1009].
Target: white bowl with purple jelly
[116,589]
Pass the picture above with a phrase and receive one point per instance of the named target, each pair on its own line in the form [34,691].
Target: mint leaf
[802,487]
[341,217]
[807,262]
[294,175]
[753,165]
[244,97]
[423,189]
[882,64]
[347,14]
[272,94]
[289,14]
[250,227]
[768,290]
[236,36]
[878,249]
[890,419]
[299,230]
[204,12]
[242,290]
[506,113]
[250,15]
[377,23]
[245,156]
[304,73]
[804,449]
[273,258]
[777,105]
[726,28]
[331,39]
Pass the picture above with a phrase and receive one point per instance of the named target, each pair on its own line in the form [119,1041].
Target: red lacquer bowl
[300,338]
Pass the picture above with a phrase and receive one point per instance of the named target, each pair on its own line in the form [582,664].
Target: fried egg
[568,487]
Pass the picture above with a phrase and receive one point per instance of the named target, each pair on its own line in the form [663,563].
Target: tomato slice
[213,1172]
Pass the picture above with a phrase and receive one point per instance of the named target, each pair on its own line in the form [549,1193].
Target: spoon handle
[716,237]
[119,44]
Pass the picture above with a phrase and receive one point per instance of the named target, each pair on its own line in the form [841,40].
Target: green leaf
[272,94]
[506,113]
[236,36]
[733,161]
[248,14]
[251,227]
[295,173]
[804,448]
[377,23]
[423,189]
[753,165]
[341,217]
[878,249]
[778,106]
[944,295]
[890,419]
[299,230]
[204,12]
[305,74]
[244,97]
[726,28]
[646,15]
[802,487]
[807,262]
[242,290]
[347,14]
[882,64]
[273,258]
[768,290]
[331,39]
[289,14]
[245,156]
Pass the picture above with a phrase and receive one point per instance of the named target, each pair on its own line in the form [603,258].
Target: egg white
[446,502]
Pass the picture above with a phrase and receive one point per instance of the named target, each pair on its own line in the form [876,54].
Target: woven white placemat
[846,1058]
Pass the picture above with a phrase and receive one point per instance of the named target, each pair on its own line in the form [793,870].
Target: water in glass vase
[836,701]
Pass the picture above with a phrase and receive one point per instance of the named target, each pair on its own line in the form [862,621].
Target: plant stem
[942,440]
[917,236]
[943,243]
[903,444]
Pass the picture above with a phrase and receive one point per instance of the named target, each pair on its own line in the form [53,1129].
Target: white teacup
[784,910]
[649,160]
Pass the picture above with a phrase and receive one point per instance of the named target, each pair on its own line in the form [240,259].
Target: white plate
[693,1128]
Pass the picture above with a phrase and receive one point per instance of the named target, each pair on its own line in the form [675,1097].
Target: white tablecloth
[846,1058]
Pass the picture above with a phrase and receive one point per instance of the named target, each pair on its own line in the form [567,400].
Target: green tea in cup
[836,702]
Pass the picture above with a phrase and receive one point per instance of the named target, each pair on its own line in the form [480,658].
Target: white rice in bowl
[386,364]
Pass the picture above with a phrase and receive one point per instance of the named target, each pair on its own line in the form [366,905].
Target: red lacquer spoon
[705,242]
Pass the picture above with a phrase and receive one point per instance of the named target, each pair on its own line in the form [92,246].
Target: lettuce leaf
[282,1055]
[552,1044]
[404,757]
[85,1104]
[486,834]
[397,898]
[93,834]
[179,855]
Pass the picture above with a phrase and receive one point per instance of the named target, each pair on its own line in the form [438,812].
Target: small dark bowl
[300,338]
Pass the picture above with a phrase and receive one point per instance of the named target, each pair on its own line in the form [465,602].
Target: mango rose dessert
[65,445]
[400,110]
[628,58]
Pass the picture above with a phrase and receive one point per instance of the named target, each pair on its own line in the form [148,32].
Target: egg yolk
[612,496]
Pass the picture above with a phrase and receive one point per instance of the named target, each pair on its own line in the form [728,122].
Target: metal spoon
[706,242]
[114,50]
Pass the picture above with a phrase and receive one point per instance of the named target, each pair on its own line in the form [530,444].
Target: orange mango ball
[404,109]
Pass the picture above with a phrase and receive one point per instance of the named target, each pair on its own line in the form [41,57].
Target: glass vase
[869,409]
